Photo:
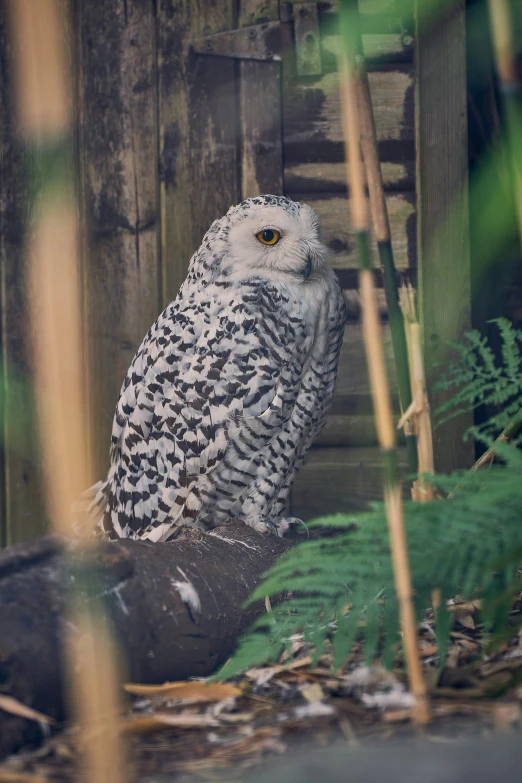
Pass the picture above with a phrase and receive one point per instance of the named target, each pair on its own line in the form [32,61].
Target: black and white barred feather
[231,385]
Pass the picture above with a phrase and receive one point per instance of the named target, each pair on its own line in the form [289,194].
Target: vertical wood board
[442,208]
[260,112]
[22,508]
[118,174]
[198,138]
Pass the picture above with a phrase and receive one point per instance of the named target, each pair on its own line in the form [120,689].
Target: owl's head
[273,237]
[268,236]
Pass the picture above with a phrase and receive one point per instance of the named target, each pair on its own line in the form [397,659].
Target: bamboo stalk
[511,91]
[45,110]
[381,230]
[507,434]
[376,366]
[419,411]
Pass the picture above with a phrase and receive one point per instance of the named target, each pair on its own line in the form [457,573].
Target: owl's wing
[190,392]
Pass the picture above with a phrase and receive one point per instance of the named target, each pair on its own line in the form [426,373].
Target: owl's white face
[271,242]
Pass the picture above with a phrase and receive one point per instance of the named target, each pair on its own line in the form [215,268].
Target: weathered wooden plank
[261,143]
[197,131]
[350,425]
[337,233]
[331,177]
[349,278]
[260,107]
[22,509]
[351,421]
[263,41]
[379,49]
[348,431]
[336,480]
[353,303]
[312,115]
[351,431]
[118,165]
[352,373]
[442,188]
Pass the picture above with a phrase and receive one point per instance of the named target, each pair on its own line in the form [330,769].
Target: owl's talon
[285,523]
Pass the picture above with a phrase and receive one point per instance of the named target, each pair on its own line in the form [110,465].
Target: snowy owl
[231,385]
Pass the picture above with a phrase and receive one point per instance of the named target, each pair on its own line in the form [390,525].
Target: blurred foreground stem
[375,358]
[511,90]
[419,411]
[381,229]
[44,107]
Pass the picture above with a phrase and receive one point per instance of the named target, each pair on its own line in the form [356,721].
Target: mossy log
[162,635]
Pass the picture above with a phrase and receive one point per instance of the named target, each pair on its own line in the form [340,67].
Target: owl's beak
[308,268]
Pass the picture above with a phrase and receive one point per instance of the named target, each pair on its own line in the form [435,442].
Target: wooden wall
[167,140]
[343,471]
[22,512]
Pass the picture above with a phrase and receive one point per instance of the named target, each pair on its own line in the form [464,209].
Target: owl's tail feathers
[88,511]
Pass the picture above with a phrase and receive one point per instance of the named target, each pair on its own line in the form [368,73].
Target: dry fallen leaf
[397,716]
[468,607]
[195,691]
[467,621]
[452,660]
[349,733]
[6,776]
[428,650]
[505,715]
[145,724]
[269,671]
[313,692]
[236,717]
[15,707]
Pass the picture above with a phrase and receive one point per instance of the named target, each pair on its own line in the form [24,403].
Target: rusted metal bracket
[264,42]
[256,42]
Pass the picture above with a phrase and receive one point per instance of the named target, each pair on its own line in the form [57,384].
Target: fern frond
[476,378]
[342,587]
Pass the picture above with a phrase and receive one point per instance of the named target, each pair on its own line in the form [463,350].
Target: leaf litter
[201,729]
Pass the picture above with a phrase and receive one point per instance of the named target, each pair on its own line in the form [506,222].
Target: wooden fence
[170,134]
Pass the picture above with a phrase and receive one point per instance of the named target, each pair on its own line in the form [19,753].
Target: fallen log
[176,610]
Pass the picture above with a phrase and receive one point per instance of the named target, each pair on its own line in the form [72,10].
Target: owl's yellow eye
[269,236]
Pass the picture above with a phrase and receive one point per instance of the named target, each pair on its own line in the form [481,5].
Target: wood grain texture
[260,112]
[348,431]
[353,303]
[352,374]
[338,235]
[336,480]
[21,484]
[442,187]
[198,144]
[351,422]
[378,49]
[307,39]
[118,165]
[312,116]
[351,431]
[331,177]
